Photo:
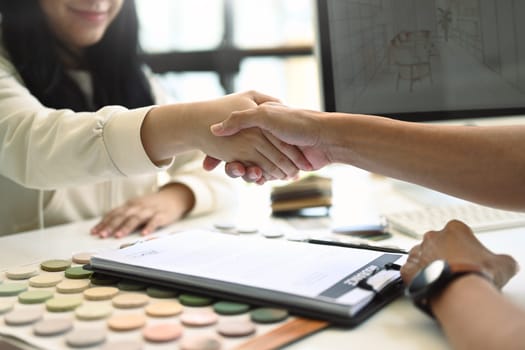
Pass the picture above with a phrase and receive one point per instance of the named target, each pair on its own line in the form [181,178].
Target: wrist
[181,194]
[333,138]
[457,290]
[431,281]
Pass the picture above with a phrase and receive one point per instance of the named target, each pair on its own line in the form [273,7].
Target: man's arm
[470,309]
[475,315]
[481,164]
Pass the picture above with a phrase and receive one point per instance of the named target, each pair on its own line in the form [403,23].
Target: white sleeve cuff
[123,142]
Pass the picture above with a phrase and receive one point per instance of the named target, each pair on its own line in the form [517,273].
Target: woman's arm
[45,148]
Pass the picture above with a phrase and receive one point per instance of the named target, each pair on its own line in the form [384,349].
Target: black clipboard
[318,307]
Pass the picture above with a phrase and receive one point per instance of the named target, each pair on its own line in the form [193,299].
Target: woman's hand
[457,243]
[173,129]
[146,213]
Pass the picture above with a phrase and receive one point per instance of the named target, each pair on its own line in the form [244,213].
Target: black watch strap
[452,272]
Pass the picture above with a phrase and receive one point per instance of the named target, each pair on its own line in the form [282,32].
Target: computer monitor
[422,60]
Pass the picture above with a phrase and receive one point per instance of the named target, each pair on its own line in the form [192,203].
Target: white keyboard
[479,218]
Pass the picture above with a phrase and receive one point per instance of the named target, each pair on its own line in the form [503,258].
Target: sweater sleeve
[212,190]
[44,148]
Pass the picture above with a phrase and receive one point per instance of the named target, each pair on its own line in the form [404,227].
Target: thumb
[260,98]
[236,122]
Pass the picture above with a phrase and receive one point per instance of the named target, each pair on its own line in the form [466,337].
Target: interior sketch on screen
[393,56]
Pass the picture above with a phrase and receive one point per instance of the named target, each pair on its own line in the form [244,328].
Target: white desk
[358,197]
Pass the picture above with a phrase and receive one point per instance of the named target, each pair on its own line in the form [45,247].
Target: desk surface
[358,198]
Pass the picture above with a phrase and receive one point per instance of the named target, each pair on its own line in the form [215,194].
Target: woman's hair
[113,62]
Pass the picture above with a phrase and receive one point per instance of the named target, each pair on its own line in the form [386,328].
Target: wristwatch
[435,277]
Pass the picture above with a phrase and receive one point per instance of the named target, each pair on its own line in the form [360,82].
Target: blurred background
[207,48]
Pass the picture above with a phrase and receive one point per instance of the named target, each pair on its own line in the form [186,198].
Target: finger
[292,153]
[235,169]
[132,223]
[280,161]
[210,163]
[269,161]
[151,225]
[254,173]
[110,222]
[118,217]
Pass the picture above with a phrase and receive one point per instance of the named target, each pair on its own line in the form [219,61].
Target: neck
[72,57]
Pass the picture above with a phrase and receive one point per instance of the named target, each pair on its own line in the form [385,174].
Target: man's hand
[456,243]
[288,127]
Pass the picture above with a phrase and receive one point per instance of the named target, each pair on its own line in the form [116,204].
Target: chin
[87,41]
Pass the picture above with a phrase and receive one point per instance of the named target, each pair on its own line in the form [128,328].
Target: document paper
[310,275]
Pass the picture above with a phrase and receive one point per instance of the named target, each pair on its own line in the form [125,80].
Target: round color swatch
[68,286]
[6,306]
[130,300]
[34,296]
[268,315]
[63,304]
[22,317]
[77,272]
[230,308]
[164,309]
[126,322]
[12,289]
[45,280]
[55,265]
[21,273]
[247,229]
[162,333]
[131,285]
[235,328]
[225,226]
[273,234]
[202,342]
[47,328]
[82,258]
[100,293]
[83,338]
[89,312]
[160,292]
[199,318]
[194,300]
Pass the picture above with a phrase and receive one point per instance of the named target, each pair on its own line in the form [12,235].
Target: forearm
[165,130]
[482,164]
[471,307]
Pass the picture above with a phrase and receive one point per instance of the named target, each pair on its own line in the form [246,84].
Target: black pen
[358,246]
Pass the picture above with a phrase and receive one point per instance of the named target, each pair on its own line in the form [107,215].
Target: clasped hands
[296,141]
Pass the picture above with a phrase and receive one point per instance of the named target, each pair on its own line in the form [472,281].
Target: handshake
[264,140]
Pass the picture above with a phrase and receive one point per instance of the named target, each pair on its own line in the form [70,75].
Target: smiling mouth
[91,16]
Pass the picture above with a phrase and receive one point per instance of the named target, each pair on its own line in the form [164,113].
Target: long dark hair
[113,62]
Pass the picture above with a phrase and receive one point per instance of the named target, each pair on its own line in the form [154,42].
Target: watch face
[428,276]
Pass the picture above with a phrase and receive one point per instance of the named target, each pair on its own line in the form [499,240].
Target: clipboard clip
[381,279]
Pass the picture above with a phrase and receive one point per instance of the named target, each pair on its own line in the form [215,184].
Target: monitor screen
[423,60]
